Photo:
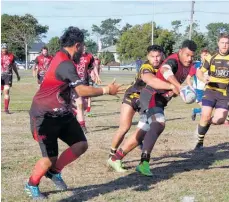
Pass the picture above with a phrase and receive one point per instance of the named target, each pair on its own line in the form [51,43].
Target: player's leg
[6,93]
[49,149]
[80,113]
[195,111]
[208,104]
[72,135]
[130,143]
[156,128]
[221,110]
[126,116]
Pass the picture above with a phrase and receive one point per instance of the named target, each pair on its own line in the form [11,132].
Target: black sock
[112,152]
[145,157]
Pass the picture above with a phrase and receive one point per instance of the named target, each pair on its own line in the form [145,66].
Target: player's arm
[192,72]
[168,70]
[14,67]
[35,67]
[151,80]
[200,72]
[66,71]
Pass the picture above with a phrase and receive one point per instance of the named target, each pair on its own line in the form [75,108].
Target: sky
[58,15]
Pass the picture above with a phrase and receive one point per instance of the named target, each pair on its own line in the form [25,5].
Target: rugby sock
[65,158]
[38,172]
[2,87]
[6,102]
[119,155]
[82,123]
[197,110]
[202,130]
[112,152]
[88,109]
[145,157]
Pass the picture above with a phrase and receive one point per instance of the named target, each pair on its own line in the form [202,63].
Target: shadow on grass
[192,160]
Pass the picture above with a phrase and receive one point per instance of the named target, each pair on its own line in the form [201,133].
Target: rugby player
[216,94]
[41,66]
[173,70]
[197,85]
[7,65]
[83,68]
[94,80]
[51,114]
[130,103]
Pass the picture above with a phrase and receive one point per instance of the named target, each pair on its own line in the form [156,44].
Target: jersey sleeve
[66,72]
[36,60]
[171,63]
[192,71]
[146,68]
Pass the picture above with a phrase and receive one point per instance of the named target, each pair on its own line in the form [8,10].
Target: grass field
[178,171]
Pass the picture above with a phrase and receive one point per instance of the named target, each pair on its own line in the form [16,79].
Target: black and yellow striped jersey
[218,71]
[138,84]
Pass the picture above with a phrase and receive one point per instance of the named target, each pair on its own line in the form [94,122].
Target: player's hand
[206,80]
[98,80]
[114,88]
[175,90]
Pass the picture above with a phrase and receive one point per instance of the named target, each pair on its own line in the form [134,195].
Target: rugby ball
[188,95]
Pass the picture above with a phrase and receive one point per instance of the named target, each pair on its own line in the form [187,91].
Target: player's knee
[124,129]
[218,121]
[79,148]
[205,119]
[6,88]
[46,163]
[84,147]
[6,96]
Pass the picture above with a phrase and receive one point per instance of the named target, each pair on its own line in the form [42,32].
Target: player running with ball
[173,70]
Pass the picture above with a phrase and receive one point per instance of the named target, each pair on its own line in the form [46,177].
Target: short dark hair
[205,50]
[223,35]
[44,48]
[190,44]
[71,36]
[155,48]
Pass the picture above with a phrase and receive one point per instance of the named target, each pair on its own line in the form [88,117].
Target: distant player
[41,66]
[94,80]
[131,104]
[7,65]
[197,85]
[51,114]
[173,70]
[216,94]
[83,68]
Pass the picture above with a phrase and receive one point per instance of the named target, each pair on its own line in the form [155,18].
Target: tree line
[131,41]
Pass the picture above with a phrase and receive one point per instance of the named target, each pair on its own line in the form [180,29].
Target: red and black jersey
[85,65]
[7,61]
[180,71]
[43,63]
[53,97]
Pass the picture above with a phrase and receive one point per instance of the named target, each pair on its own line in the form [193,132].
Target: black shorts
[6,79]
[150,98]
[46,130]
[132,99]
[40,78]
[215,99]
